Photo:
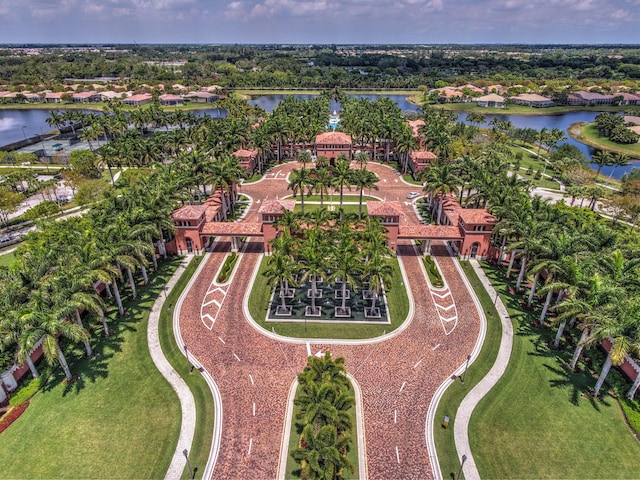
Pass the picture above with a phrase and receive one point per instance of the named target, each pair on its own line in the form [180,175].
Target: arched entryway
[474,249]
[189,245]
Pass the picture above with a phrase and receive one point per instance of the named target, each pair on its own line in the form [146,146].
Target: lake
[34,121]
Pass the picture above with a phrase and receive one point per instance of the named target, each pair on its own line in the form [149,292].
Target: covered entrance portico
[236,231]
[428,233]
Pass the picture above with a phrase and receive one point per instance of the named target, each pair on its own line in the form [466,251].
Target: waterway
[15,125]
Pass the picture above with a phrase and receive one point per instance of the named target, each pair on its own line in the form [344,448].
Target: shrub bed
[432,271]
[227,268]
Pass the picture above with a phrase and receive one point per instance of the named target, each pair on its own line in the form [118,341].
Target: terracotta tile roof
[139,97]
[492,97]
[415,126]
[384,209]
[532,97]
[277,206]
[591,95]
[333,138]
[232,228]
[632,119]
[627,96]
[429,231]
[84,94]
[423,155]
[189,212]
[242,153]
[169,97]
[476,216]
[54,95]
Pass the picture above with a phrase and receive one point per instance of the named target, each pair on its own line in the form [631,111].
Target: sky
[320,21]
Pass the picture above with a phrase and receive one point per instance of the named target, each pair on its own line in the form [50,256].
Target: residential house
[248,159]
[532,100]
[627,98]
[332,144]
[593,98]
[53,97]
[138,100]
[492,100]
[86,97]
[420,160]
[171,100]
[202,97]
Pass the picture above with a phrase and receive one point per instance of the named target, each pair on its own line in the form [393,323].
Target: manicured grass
[7,259]
[119,420]
[312,207]
[335,197]
[588,133]
[535,423]
[450,401]
[201,445]
[513,109]
[397,301]
[293,468]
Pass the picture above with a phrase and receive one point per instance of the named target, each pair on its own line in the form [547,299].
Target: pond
[15,125]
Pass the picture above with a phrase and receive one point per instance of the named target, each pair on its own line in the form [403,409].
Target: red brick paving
[398,375]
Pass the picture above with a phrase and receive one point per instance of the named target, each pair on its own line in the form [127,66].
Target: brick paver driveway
[398,376]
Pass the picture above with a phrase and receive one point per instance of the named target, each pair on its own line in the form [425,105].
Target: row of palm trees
[322,245]
[324,179]
[85,264]
[324,401]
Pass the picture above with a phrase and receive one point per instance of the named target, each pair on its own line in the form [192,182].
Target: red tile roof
[477,216]
[246,153]
[384,209]
[423,155]
[415,125]
[429,231]
[169,97]
[333,138]
[139,97]
[189,212]
[232,228]
[277,206]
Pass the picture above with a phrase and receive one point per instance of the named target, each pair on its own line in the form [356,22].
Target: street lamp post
[464,459]
[464,374]
[185,452]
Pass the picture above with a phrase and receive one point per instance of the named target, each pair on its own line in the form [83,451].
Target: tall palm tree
[280,270]
[362,179]
[439,181]
[342,176]
[300,181]
[601,158]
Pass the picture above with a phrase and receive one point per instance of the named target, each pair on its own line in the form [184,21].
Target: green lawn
[397,300]
[335,197]
[7,259]
[450,401]
[312,207]
[121,419]
[588,133]
[535,423]
[513,109]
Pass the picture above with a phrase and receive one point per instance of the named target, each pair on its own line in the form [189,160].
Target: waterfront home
[138,100]
[170,100]
[593,98]
[492,100]
[532,100]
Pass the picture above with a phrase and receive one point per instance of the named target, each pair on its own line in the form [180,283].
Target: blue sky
[320,21]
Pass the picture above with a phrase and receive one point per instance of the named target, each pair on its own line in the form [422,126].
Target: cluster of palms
[613,127]
[62,267]
[583,270]
[324,246]
[324,179]
[324,402]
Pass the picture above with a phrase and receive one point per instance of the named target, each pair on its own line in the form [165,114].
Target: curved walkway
[187,402]
[469,403]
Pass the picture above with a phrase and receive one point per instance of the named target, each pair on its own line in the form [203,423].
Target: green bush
[227,268]
[43,209]
[27,391]
[432,271]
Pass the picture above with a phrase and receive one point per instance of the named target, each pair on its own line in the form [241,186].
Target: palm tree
[439,181]
[299,180]
[346,264]
[281,270]
[364,179]
[43,321]
[320,454]
[341,173]
[601,158]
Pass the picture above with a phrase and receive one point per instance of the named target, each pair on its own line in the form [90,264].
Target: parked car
[411,195]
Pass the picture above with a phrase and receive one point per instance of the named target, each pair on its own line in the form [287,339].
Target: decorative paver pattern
[398,376]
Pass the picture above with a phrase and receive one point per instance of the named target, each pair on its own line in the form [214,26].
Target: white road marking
[251,378]
[395,416]
[397,454]
[435,347]
[237,357]
[419,362]
[254,409]
[220,338]
[308,349]
[402,387]
[251,445]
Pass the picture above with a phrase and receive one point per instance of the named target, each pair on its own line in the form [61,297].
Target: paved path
[398,375]
[472,399]
[187,403]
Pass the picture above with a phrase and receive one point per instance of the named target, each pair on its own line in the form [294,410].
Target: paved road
[398,376]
